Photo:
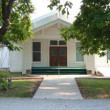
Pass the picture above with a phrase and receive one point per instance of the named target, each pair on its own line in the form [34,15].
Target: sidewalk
[53,104]
[58,87]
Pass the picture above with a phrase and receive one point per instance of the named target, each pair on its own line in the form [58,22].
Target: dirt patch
[36,86]
[26,78]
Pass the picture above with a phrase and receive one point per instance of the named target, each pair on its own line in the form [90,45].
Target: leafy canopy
[64,8]
[15,24]
[91,27]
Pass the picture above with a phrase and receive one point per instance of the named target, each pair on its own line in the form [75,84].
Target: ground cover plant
[4,84]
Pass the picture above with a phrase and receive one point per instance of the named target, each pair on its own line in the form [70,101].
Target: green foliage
[91,27]
[62,8]
[4,85]
[20,26]
[1,22]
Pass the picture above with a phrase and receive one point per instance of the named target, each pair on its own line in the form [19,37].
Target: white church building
[48,51]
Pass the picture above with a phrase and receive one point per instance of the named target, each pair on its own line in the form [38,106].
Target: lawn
[15,75]
[22,88]
[94,88]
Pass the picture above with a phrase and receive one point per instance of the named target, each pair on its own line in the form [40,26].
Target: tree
[15,24]
[91,27]
[64,8]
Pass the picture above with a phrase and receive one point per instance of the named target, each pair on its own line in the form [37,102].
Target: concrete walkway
[53,104]
[58,87]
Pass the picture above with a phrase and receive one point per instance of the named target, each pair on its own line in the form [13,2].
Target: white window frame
[57,43]
[37,51]
[75,55]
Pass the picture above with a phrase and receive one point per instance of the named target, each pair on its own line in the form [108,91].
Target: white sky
[42,9]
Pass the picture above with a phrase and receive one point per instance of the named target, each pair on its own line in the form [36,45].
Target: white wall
[98,64]
[48,33]
[16,61]
[4,57]
[100,61]
[90,62]
[101,65]
[27,56]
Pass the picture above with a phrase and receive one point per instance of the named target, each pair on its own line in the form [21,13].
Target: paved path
[58,87]
[53,104]
[40,103]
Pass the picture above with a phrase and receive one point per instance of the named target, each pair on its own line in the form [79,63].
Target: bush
[4,85]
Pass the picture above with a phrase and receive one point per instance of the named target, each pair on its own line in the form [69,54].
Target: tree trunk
[6,12]
[4,29]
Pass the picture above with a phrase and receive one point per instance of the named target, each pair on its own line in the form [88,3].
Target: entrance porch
[58,70]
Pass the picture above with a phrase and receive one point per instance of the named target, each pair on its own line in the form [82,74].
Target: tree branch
[9,8]
[28,6]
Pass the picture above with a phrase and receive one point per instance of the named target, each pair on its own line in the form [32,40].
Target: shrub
[4,85]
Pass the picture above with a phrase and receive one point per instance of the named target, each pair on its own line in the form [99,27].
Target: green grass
[15,74]
[94,88]
[11,74]
[21,88]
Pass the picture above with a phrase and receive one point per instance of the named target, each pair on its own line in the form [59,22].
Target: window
[53,42]
[62,52]
[61,42]
[79,57]
[54,51]
[36,51]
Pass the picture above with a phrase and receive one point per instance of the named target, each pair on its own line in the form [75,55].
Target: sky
[42,9]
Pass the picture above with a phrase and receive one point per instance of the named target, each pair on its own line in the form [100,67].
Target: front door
[58,56]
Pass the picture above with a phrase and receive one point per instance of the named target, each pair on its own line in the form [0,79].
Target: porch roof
[49,19]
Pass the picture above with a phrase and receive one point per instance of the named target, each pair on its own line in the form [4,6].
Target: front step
[57,70]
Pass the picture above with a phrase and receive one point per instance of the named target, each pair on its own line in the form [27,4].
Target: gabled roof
[50,19]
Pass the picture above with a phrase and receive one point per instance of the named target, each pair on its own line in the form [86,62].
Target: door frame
[58,59]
